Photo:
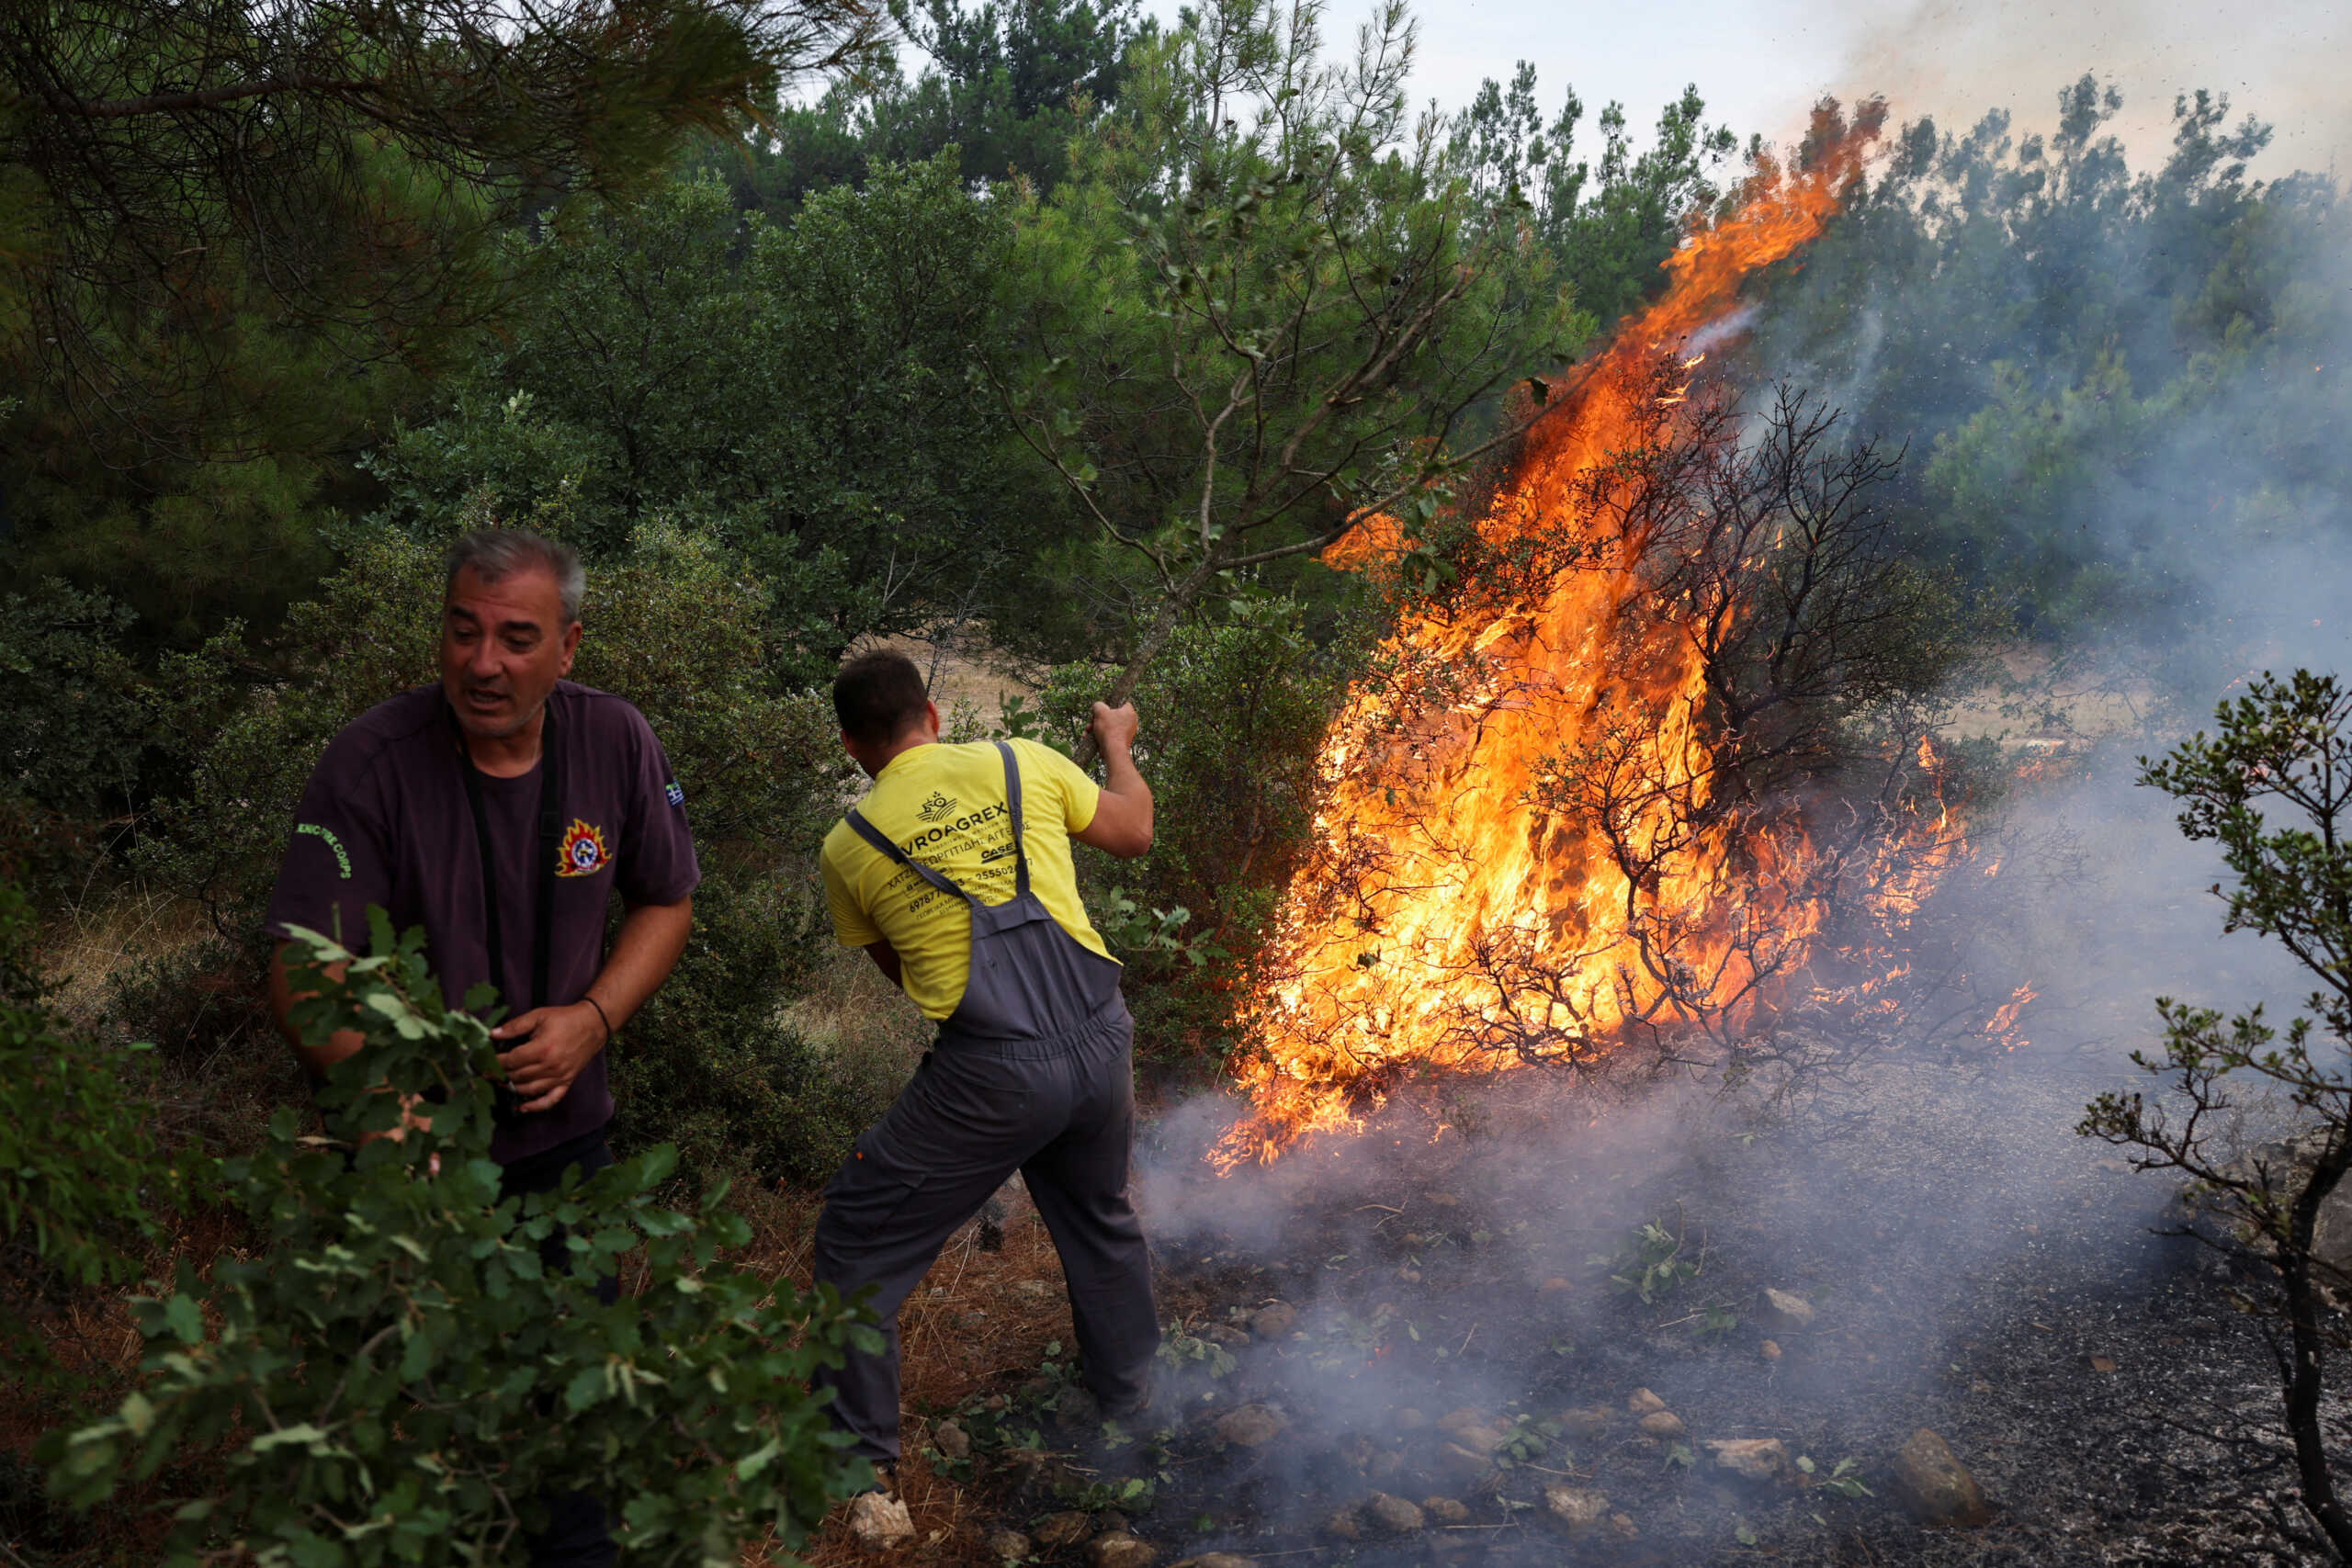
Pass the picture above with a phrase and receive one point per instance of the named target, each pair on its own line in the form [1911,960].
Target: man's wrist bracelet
[601,1017]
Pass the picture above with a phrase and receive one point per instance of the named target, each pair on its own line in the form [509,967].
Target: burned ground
[1459,1335]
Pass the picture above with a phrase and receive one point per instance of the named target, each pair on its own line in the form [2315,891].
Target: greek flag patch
[676,793]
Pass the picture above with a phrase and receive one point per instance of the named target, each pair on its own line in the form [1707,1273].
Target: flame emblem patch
[583,851]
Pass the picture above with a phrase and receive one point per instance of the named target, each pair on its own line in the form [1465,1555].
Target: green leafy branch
[416,1359]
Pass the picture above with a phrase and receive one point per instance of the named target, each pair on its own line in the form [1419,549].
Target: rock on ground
[1120,1549]
[1273,1321]
[1344,1526]
[1253,1426]
[1935,1487]
[1077,1408]
[1445,1510]
[1036,1471]
[1479,1440]
[1584,1423]
[1066,1528]
[1641,1402]
[1464,1462]
[1751,1458]
[949,1439]
[1661,1424]
[878,1522]
[1578,1507]
[1008,1546]
[1790,1310]
[1393,1516]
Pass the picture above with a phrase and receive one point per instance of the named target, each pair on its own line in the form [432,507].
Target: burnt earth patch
[1655,1336]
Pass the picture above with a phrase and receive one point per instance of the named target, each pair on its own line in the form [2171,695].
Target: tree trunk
[2305,1379]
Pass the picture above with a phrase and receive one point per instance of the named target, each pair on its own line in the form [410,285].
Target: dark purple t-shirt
[384,820]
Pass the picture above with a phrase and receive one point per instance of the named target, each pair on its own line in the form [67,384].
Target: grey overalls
[1032,1072]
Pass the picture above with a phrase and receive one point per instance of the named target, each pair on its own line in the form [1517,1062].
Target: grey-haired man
[501,810]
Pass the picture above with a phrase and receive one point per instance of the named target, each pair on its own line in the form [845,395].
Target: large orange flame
[1451,914]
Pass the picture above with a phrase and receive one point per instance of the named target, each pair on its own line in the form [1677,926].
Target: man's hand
[555,1043]
[1113,728]
[1122,824]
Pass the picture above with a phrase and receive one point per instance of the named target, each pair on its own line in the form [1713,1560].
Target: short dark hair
[497,553]
[878,696]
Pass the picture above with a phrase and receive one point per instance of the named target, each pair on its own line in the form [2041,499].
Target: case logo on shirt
[936,808]
[583,851]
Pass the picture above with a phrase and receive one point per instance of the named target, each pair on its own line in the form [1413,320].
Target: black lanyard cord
[551,836]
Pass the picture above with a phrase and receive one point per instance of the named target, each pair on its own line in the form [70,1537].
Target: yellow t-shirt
[946,806]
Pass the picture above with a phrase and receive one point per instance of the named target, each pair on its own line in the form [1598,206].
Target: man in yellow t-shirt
[955,873]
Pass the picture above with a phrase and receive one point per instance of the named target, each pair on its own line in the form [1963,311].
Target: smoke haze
[1955,58]
[1760,65]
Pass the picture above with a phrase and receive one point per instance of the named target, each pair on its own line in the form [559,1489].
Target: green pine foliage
[1267,303]
[800,390]
[237,243]
[413,1361]
[2116,385]
[1006,86]
[1609,227]
[79,724]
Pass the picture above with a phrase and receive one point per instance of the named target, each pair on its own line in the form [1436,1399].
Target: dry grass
[968,680]
[108,932]
[2051,706]
[859,1017]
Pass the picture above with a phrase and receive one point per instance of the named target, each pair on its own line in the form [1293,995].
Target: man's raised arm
[1122,824]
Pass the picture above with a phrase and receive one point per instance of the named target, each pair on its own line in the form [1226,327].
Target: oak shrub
[398,1375]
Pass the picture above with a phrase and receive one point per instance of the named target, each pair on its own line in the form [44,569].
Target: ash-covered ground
[1515,1323]
[1461,1334]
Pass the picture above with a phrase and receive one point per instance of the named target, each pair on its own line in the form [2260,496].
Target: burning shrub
[1650,757]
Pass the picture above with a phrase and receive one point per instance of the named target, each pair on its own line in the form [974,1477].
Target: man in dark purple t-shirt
[501,810]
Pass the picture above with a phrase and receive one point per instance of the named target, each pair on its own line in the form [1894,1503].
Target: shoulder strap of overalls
[874,836]
[1020,839]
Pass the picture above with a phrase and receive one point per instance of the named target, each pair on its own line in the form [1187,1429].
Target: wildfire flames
[1468,902]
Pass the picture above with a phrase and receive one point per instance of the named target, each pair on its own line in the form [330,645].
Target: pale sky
[1760,63]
